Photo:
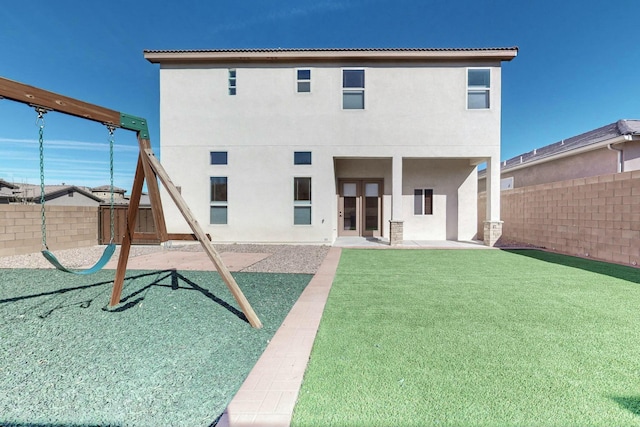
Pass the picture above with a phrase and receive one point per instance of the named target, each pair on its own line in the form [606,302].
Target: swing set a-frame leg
[147,162]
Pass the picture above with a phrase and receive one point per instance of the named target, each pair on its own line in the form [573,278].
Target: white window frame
[303,203]
[216,203]
[479,88]
[233,81]
[299,80]
[354,89]
[422,195]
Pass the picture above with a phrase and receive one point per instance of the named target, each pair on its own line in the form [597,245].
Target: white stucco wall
[417,111]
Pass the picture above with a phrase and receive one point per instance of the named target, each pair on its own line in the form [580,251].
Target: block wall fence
[68,227]
[596,217]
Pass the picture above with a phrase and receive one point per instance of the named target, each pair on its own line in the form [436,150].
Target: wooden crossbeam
[30,95]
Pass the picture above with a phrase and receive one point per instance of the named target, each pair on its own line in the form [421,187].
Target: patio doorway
[360,207]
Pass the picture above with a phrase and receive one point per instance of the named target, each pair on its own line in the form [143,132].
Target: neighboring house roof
[32,193]
[351,54]
[6,184]
[620,131]
[107,188]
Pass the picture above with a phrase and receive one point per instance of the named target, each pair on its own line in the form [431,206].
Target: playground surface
[173,352]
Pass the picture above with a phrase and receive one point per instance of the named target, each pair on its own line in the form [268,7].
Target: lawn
[174,353]
[475,338]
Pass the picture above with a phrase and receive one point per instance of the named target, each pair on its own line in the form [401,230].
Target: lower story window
[218,207]
[302,201]
[423,201]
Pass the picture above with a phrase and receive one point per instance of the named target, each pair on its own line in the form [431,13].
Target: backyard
[475,337]
[408,338]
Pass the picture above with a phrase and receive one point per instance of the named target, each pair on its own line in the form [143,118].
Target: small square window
[353,100]
[218,157]
[218,215]
[302,215]
[353,78]
[302,158]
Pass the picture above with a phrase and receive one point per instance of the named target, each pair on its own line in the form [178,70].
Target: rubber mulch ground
[173,353]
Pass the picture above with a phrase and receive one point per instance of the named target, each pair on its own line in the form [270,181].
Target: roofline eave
[598,145]
[223,56]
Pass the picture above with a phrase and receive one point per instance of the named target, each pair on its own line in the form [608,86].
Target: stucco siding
[632,156]
[454,192]
[416,111]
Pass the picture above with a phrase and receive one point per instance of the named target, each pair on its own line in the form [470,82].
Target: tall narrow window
[304,80]
[353,89]
[422,201]
[478,88]
[302,201]
[232,81]
[218,157]
[219,205]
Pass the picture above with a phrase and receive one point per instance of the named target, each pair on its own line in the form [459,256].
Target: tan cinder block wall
[67,227]
[596,217]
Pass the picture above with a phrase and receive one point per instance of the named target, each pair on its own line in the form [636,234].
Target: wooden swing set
[148,169]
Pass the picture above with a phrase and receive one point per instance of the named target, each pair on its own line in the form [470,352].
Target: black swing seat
[104,259]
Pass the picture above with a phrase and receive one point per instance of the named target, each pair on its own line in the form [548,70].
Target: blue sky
[576,70]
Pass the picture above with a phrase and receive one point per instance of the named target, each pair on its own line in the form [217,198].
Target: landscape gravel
[282,258]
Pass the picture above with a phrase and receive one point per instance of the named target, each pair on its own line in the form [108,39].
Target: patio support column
[493,224]
[396,222]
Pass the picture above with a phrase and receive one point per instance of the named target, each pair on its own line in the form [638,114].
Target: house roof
[329,54]
[107,188]
[31,192]
[6,184]
[609,134]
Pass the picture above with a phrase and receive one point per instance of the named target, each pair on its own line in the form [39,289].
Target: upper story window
[232,81]
[478,88]
[353,89]
[304,80]
[302,158]
[218,157]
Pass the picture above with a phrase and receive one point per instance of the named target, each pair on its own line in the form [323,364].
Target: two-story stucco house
[307,145]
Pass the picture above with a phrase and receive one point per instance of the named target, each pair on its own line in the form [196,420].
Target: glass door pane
[350,214]
[371,206]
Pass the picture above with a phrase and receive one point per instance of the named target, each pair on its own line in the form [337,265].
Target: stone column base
[396,232]
[492,232]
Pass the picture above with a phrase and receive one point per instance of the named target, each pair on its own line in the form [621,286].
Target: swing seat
[104,259]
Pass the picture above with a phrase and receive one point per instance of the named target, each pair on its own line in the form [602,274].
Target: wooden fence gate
[145,231]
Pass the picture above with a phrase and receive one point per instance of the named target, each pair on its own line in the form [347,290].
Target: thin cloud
[284,14]
[70,145]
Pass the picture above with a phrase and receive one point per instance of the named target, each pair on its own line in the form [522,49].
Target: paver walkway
[269,393]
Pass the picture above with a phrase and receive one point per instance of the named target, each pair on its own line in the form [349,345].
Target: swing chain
[40,123]
[111,129]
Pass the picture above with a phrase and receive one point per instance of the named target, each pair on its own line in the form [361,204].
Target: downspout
[620,157]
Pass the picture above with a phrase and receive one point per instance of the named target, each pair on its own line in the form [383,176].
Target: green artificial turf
[173,353]
[475,338]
